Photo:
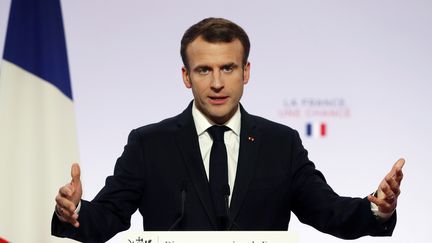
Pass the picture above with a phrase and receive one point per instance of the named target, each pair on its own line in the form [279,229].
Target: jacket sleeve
[316,204]
[110,211]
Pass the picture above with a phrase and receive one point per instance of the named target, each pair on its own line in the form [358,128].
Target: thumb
[398,175]
[75,184]
[397,168]
[76,174]
[399,164]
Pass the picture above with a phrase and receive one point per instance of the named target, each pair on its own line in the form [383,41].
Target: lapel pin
[251,138]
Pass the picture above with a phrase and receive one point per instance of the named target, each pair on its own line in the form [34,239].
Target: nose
[217,81]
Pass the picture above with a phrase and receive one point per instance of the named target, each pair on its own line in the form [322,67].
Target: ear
[246,73]
[186,78]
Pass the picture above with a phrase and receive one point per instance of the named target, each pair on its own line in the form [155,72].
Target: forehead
[201,52]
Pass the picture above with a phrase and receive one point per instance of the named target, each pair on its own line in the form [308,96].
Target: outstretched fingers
[389,189]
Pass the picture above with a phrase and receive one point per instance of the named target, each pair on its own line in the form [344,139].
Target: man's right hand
[68,198]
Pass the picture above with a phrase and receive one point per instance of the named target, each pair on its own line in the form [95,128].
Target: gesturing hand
[68,198]
[389,189]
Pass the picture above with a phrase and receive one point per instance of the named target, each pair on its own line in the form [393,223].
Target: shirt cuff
[77,209]
[382,217]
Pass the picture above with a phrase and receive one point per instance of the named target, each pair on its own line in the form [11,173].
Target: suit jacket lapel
[249,144]
[187,140]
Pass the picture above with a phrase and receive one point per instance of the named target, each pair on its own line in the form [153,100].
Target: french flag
[316,129]
[38,139]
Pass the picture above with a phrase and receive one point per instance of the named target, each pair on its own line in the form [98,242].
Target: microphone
[183,189]
[226,192]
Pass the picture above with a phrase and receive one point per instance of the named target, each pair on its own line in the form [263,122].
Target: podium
[210,237]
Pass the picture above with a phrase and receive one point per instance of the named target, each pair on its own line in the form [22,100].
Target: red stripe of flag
[3,240]
[323,129]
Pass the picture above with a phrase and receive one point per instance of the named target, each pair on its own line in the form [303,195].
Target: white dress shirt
[231,138]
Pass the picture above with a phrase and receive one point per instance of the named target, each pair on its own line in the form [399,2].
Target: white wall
[374,55]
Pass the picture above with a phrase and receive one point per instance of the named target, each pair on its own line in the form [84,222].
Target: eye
[227,69]
[203,70]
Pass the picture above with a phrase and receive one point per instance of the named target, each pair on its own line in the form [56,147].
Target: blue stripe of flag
[309,129]
[35,41]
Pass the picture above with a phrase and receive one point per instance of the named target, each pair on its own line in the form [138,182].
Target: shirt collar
[202,123]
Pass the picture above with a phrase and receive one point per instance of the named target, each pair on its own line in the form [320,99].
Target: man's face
[216,76]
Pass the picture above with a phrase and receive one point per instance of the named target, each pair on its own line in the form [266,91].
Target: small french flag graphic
[316,129]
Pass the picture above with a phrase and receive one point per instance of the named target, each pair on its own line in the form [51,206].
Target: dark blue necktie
[219,174]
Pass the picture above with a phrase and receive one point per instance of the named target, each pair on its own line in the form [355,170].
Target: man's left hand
[389,189]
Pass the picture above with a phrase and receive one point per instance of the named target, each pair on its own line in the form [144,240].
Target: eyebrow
[231,64]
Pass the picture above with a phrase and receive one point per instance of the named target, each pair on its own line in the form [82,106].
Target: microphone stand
[226,193]
[183,200]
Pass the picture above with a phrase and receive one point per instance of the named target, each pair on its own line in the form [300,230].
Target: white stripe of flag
[38,139]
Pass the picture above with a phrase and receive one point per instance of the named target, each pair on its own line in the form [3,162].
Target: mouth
[218,100]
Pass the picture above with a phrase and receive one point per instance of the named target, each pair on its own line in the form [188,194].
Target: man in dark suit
[168,169]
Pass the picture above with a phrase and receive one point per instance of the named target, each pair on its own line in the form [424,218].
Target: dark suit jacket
[274,177]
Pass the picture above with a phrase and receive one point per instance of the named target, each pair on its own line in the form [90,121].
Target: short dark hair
[214,30]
